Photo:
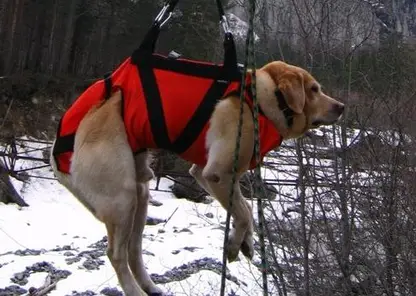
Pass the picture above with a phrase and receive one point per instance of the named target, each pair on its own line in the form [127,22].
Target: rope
[257,172]
[249,49]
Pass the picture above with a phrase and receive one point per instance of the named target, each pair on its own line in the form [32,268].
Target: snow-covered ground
[56,234]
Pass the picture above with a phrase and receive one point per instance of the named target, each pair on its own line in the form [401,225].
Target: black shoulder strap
[108,85]
[156,114]
[201,116]
[148,44]
[154,104]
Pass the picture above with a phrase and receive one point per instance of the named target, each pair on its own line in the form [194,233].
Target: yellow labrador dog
[112,182]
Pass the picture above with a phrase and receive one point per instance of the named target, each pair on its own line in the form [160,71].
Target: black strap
[187,67]
[108,85]
[201,116]
[220,9]
[154,105]
[287,112]
[230,56]
[157,117]
[62,144]
[149,42]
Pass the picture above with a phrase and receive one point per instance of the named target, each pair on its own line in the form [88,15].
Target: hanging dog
[101,150]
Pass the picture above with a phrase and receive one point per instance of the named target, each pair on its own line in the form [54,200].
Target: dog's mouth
[320,122]
[334,115]
[317,123]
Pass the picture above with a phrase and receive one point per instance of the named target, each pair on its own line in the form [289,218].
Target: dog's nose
[339,108]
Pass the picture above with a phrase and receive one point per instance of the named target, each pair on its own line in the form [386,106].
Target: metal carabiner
[167,18]
[224,24]
[160,19]
[161,14]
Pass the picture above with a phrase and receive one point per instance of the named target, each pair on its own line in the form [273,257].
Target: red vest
[166,104]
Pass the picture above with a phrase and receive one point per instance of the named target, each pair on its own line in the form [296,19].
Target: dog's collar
[284,107]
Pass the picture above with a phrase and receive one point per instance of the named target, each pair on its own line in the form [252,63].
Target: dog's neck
[284,107]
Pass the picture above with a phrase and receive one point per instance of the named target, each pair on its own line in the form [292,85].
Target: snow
[56,219]
[239,28]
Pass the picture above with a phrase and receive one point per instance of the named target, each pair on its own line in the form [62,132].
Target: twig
[45,288]
[170,217]
[7,112]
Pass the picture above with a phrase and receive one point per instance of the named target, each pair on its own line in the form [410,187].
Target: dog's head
[304,105]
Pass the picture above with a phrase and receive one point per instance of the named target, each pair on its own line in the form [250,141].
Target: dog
[112,182]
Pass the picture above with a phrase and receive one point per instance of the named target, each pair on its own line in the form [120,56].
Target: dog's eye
[315,88]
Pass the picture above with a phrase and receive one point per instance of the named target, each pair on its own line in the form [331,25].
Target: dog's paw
[232,253]
[247,248]
[233,247]
[154,291]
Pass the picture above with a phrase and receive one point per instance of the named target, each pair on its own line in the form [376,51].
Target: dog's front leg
[247,244]
[241,236]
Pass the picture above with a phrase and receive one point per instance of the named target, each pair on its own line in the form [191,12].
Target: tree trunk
[304,221]
[16,16]
[50,54]
[7,192]
[68,39]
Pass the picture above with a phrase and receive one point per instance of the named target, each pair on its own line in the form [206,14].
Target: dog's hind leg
[119,232]
[104,178]
[135,244]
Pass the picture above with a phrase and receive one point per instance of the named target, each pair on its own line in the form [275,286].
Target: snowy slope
[56,229]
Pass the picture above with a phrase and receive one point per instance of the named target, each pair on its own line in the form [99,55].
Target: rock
[146,252]
[183,230]
[93,264]
[209,215]
[72,260]
[155,202]
[8,193]
[154,221]
[101,244]
[27,252]
[111,292]
[86,293]
[247,183]
[185,270]
[188,188]
[13,290]
[21,278]
[191,249]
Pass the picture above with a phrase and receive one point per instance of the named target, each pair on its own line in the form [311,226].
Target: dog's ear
[292,87]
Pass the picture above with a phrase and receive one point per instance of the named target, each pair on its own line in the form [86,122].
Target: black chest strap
[157,119]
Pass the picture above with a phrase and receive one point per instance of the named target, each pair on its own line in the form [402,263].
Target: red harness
[166,104]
